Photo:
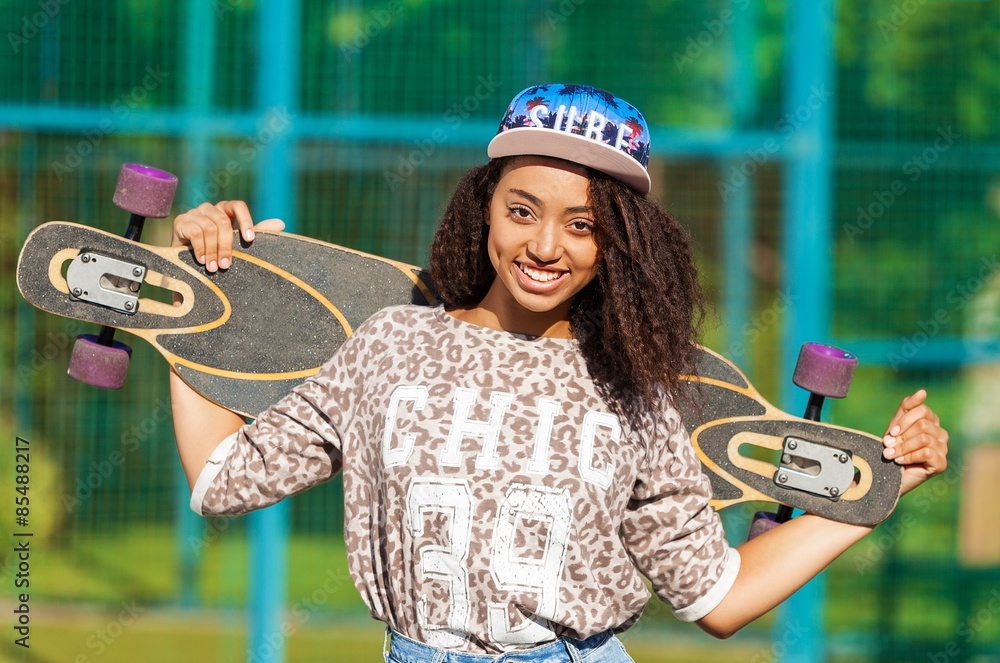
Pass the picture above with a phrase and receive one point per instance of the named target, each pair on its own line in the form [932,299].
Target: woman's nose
[544,244]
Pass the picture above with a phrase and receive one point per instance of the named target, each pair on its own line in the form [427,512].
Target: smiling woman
[541,245]
[514,463]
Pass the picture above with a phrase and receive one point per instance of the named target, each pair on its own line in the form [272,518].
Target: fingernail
[889,440]
[224,263]
[212,266]
[889,452]
[250,235]
[201,260]
[894,430]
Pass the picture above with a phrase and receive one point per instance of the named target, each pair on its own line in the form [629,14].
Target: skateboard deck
[754,452]
[243,337]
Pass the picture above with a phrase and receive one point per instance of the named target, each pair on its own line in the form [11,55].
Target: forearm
[199,426]
[775,565]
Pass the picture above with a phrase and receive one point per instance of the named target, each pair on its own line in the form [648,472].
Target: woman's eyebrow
[524,194]
[579,209]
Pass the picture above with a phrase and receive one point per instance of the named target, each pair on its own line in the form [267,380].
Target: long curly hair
[636,322]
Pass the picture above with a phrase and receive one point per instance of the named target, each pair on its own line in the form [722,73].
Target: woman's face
[541,241]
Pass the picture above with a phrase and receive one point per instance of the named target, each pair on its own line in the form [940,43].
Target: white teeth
[540,275]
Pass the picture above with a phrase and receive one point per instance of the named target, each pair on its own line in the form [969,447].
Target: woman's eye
[583,226]
[520,212]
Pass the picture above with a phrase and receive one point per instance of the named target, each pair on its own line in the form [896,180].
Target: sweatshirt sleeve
[294,445]
[674,536]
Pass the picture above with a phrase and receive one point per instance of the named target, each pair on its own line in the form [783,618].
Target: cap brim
[541,141]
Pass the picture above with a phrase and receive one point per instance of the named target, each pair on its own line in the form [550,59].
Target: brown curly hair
[636,322]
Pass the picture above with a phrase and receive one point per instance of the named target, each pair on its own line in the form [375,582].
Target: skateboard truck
[100,360]
[814,468]
[106,281]
[824,371]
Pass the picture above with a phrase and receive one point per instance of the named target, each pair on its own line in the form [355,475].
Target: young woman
[513,462]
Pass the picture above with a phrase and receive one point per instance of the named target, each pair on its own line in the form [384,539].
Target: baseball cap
[578,123]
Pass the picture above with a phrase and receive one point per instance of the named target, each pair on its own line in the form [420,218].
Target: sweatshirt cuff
[213,466]
[714,596]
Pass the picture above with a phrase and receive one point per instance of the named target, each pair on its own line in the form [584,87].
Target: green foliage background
[907,73]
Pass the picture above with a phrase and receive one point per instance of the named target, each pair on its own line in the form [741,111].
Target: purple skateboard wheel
[763,521]
[99,365]
[824,370]
[145,191]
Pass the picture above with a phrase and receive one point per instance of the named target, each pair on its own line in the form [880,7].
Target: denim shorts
[600,648]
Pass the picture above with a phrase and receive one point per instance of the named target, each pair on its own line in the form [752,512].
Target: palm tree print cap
[578,123]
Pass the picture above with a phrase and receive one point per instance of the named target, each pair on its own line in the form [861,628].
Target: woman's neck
[498,312]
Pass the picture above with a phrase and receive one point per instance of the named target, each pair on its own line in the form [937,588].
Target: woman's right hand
[208,230]
[200,424]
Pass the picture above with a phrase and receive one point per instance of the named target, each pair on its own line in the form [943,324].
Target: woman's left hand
[916,440]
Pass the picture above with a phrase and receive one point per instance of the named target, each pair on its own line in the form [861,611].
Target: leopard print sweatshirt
[492,500]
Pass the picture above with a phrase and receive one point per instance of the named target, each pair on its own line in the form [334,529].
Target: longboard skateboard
[243,337]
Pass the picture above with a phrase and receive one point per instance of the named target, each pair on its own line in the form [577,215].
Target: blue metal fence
[806,156]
